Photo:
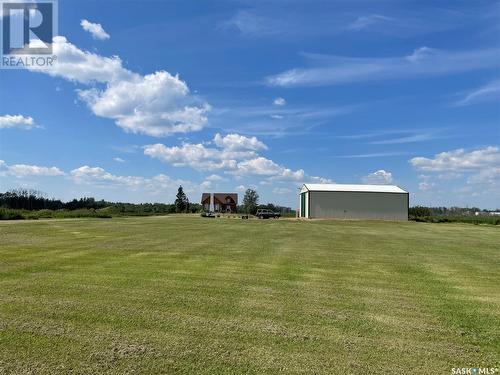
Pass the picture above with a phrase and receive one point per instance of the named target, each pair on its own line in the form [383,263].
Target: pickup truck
[267,214]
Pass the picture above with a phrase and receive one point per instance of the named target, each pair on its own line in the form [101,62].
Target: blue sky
[226,95]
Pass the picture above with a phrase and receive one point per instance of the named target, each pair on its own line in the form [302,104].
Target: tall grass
[11,214]
[458,219]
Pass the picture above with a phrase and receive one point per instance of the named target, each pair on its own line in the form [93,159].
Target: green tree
[250,201]
[181,201]
[420,211]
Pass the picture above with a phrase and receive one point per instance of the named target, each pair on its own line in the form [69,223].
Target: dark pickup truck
[267,214]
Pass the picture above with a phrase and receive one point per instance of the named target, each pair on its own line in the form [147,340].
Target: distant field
[186,295]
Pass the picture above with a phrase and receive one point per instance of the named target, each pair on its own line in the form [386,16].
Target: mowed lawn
[186,295]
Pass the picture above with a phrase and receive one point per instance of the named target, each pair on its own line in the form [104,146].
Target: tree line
[251,204]
[424,211]
[34,200]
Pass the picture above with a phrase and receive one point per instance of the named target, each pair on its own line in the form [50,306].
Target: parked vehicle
[267,214]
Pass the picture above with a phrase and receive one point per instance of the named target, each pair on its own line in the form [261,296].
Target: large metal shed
[341,201]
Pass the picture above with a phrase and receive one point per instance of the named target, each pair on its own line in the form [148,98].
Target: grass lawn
[186,295]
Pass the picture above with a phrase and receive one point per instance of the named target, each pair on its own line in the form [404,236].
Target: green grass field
[186,295]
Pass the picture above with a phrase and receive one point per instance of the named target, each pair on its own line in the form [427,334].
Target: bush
[9,214]
[457,219]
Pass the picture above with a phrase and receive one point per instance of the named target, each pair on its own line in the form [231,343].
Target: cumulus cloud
[261,166]
[380,177]
[86,174]
[25,170]
[196,156]
[151,104]
[85,67]
[206,185]
[16,121]
[95,29]
[279,101]
[238,142]
[156,104]
[99,177]
[214,178]
[480,166]
[210,181]
[119,160]
[236,155]
[459,160]
[490,176]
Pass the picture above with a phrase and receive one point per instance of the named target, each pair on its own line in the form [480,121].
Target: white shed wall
[358,205]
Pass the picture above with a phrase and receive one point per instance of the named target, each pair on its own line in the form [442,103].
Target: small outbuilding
[339,201]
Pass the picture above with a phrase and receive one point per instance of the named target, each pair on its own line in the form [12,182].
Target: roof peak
[355,188]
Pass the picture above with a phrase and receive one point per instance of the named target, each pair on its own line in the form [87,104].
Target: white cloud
[236,155]
[25,170]
[380,177]
[489,176]
[119,160]
[85,67]
[157,104]
[241,188]
[251,24]
[86,174]
[409,137]
[262,167]
[262,120]
[206,185]
[214,178]
[98,177]
[281,190]
[423,62]
[319,180]
[449,176]
[459,160]
[210,181]
[480,166]
[152,105]
[16,121]
[424,186]
[365,22]
[421,54]
[277,117]
[488,92]
[279,101]
[95,29]
[197,156]
[238,142]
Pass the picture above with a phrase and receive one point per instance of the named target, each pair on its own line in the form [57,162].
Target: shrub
[457,219]
[10,214]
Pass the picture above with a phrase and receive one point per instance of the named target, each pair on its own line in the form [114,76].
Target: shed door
[302,204]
